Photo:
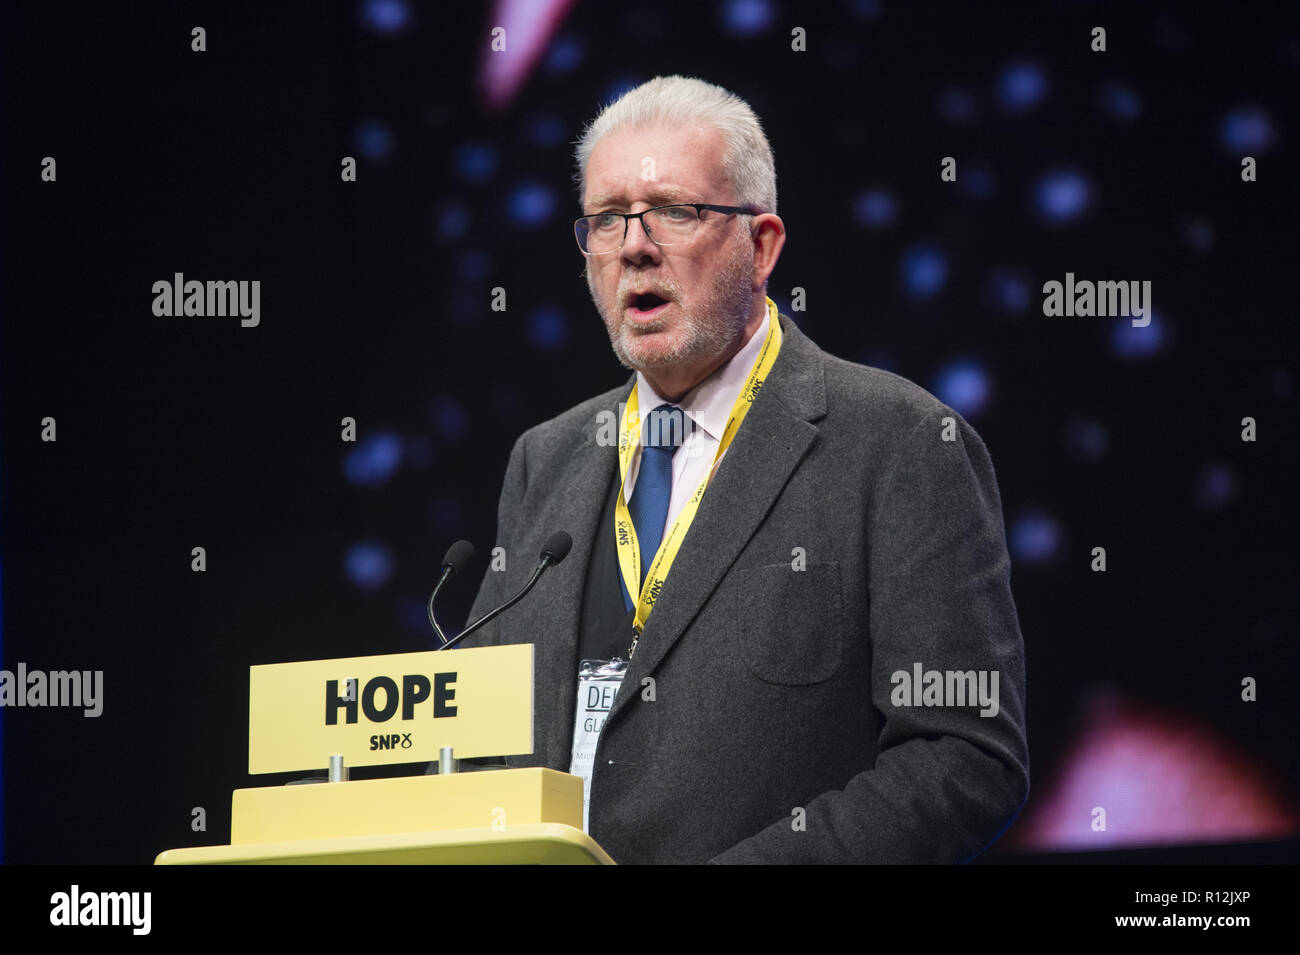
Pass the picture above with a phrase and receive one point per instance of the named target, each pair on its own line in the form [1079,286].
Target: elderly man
[786,631]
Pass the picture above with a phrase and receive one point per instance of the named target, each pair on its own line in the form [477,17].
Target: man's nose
[638,244]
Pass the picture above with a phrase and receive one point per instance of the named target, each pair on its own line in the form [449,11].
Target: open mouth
[646,304]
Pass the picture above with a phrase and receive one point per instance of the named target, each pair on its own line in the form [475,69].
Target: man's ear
[769,238]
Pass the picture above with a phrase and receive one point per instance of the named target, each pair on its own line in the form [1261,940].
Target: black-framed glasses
[676,224]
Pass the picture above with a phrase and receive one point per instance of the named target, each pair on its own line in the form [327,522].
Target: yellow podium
[494,817]
[481,699]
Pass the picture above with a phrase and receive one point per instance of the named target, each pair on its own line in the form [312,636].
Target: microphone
[457,559]
[555,549]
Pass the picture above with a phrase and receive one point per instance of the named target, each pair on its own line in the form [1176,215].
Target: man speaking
[785,632]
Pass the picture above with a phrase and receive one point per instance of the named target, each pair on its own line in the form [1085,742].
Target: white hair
[680,100]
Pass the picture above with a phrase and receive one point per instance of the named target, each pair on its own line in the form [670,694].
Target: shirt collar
[709,403]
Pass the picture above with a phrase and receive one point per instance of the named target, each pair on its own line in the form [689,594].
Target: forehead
[657,163]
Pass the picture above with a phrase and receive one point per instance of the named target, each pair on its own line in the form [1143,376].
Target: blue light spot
[368,565]
[385,16]
[747,17]
[1132,342]
[959,106]
[373,139]
[414,614]
[452,222]
[1247,130]
[450,418]
[1215,486]
[975,180]
[374,460]
[1022,86]
[476,162]
[1010,290]
[1062,196]
[531,204]
[473,265]
[875,208]
[1120,103]
[1086,438]
[865,9]
[1035,538]
[548,328]
[620,86]
[565,55]
[879,358]
[965,386]
[925,271]
[546,131]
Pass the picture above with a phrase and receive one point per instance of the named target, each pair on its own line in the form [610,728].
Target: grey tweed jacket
[853,530]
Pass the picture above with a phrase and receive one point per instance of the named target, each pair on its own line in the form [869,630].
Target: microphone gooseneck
[554,551]
[456,560]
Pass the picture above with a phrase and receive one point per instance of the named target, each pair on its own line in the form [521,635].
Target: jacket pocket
[790,626]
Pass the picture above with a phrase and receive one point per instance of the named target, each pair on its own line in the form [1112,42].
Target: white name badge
[598,683]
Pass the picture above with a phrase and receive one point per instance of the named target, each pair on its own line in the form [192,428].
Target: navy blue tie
[663,433]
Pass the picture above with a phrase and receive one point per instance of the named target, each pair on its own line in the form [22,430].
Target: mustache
[631,286]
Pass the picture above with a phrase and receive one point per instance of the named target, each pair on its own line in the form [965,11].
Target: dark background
[183,432]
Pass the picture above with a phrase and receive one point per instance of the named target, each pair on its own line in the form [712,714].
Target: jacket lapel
[768,447]
[559,599]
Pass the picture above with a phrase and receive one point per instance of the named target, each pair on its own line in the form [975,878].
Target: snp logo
[391,741]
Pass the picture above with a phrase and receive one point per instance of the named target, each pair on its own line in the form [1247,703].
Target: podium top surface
[528,844]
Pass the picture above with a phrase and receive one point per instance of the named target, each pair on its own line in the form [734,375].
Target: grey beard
[711,329]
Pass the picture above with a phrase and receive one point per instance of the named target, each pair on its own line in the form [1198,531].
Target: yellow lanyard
[629,551]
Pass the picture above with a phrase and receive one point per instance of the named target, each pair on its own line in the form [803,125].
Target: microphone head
[458,556]
[557,547]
